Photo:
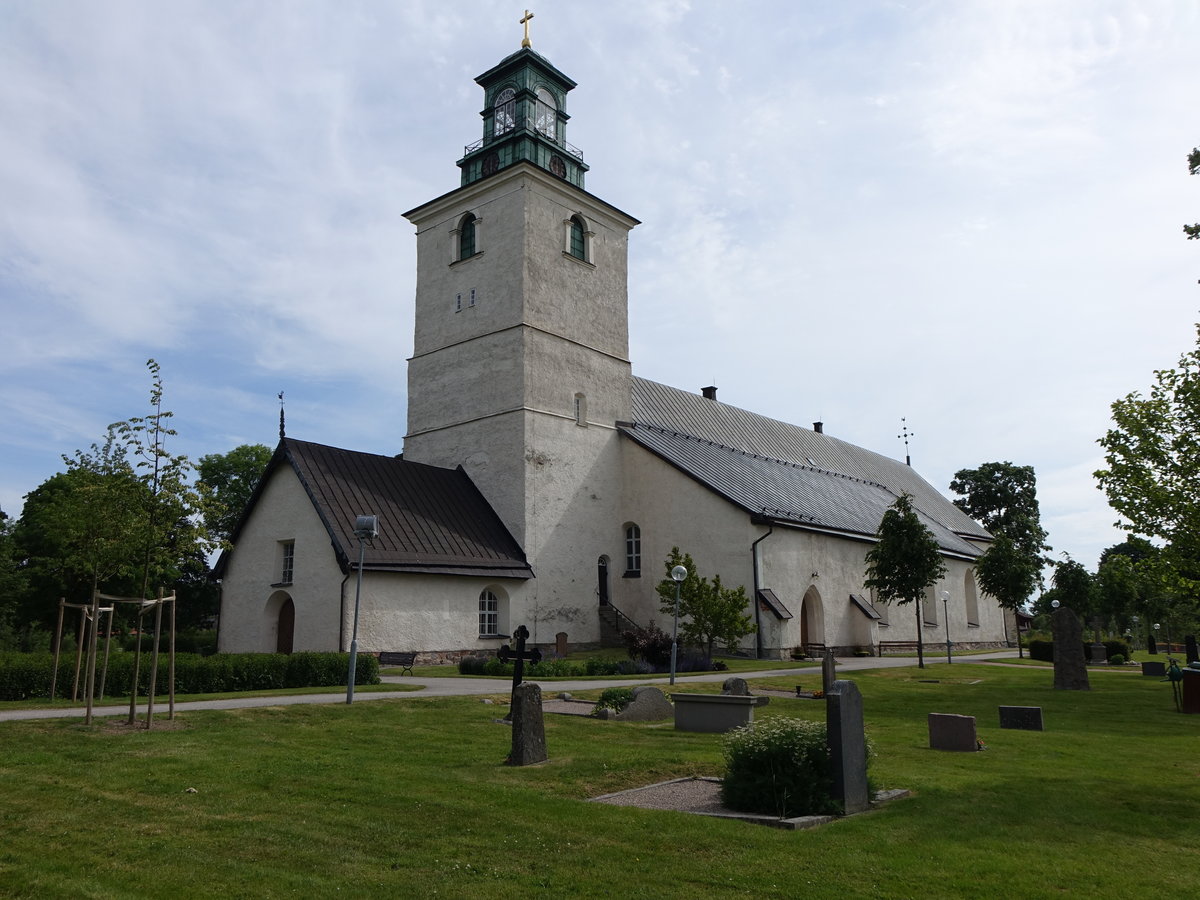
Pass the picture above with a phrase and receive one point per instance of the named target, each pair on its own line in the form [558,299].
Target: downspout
[342,618]
[757,604]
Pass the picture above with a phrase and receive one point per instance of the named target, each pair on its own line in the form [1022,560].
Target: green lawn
[410,798]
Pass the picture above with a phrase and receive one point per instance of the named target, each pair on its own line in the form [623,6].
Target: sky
[966,217]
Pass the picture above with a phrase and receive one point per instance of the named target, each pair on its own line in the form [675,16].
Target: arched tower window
[505,111]
[929,606]
[547,113]
[580,410]
[633,549]
[578,239]
[972,598]
[466,236]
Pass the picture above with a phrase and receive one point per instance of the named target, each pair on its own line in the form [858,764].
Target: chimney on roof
[710,392]
[819,427]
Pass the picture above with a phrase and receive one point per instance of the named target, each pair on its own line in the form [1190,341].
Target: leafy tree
[905,561]
[714,613]
[1008,574]
[231,479]
[1002,497]
[1152,453]
[1193,231]
[14,584]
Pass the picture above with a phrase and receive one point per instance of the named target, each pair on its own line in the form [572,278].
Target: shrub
[1116,648]
[551,667]
[651,644]
[614,698]
[602,667]
[1116,660]
[634,667]
[472,665]
[778,766]
[1041,650]
[692,661]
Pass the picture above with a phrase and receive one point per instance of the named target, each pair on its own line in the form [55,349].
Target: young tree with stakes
[905,561]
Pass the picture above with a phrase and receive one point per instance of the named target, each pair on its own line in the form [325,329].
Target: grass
[160,699]
[411,797]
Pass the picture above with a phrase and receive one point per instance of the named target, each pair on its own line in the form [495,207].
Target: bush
[651,644]
[472,665]
[614,698]
[780,767]
[693,661]
[1041,650]
[1116,660]
[1116,648]
[634,667]
[602,667]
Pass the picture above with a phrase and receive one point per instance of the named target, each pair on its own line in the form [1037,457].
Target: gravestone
[517,658]
[828,671]
[1025,718]
[649,704]
[736,687]
[1189,646]
[1154,669]
[528,729]
[1070,668]
[952,732]
[1152,645]
[560,645]
[847,743]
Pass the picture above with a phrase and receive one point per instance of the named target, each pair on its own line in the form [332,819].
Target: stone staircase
[612,623]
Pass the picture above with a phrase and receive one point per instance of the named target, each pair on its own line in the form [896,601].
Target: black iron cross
[519,656]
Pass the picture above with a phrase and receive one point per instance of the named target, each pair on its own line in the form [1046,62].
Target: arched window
[466,236]
[929,606]
[578,239]
[547,113]
[880,607]
[581,410]
[493,614]
[972,598]
[505,110]
[633,550]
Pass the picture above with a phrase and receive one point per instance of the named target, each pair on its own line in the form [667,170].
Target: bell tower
[520,366]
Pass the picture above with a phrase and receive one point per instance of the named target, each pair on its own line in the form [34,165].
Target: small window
[633,549]
[880,607]
[287,559]
[458,302]
[547,113]
[578,248]
[472,298]
[466,237]
[581,410]
[929,608]
[493,614]
[972,598]
[505,109]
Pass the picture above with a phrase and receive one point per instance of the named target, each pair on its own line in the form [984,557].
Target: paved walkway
[462,687]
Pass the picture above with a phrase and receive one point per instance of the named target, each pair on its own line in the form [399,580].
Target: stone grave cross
[519,655]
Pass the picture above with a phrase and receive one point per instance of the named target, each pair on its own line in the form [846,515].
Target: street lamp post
[945,595]
[365,529]
[679,573]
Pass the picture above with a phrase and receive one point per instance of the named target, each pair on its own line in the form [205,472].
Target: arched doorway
[286,630]
[812,619]
[602,580]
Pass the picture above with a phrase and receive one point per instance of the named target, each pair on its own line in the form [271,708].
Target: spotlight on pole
[679,573]
[365,529]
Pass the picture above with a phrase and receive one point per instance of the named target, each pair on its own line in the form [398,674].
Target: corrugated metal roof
[773,603]
[430,519]
[684,413]
[865,607]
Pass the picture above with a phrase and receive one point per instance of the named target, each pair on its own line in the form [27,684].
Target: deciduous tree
[714,614]
[905,561]
[231,479]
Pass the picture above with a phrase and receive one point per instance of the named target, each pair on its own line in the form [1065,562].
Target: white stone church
[542,483]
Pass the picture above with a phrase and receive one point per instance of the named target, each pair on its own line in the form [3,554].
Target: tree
[1002,497]
[1152,453]
[1193,231]
[1009,574]
[231,479]
[905,561]
[714,613]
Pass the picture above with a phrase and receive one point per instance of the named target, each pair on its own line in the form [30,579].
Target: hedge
[25,676]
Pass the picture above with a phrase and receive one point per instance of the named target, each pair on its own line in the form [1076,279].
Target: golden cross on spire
[525,42]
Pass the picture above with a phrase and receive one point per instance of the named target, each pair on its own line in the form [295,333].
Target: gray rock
[649,704]
[529,731]
[736,687]
[1070,668]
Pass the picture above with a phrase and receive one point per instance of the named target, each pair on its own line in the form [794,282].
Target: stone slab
[847,742]
[952,732]
[649,704]
[1024,718]
[528,728]
[1154,669]
[714,713]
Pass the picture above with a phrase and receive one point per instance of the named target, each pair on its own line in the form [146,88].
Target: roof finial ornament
[525,42]
[281,415]
[906,434]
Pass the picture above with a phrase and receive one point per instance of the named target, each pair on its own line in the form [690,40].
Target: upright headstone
[560,645]
[1152,645]
[649,704]
[828,671]
[1026,718]
[1189,646]
[847,746]
[952,732]
[736,687]
[1070,669]
[528,729]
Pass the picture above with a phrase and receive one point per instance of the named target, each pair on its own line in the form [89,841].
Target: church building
[542,483]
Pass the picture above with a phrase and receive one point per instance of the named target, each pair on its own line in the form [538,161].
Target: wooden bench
[403,660]
[897,647]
